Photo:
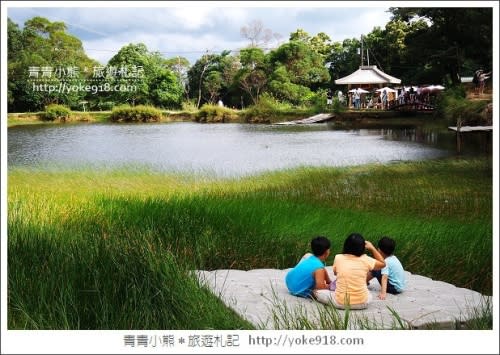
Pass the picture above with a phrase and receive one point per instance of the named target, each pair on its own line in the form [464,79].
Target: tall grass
[139,113]
[271,110]
[328,317]
[458,110]
[75,270]
[216,114]
[112,249]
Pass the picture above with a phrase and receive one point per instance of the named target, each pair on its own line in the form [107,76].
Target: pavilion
[367,77]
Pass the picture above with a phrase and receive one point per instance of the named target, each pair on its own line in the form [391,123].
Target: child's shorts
[328,297]
[354,306]
[390,287]
[333,285]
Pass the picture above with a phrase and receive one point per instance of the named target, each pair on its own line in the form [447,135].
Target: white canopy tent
[386,89]
[391,93]
[361,91]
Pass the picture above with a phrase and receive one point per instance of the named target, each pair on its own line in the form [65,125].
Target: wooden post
[459,141]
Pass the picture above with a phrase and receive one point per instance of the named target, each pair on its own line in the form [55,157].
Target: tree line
[418,45]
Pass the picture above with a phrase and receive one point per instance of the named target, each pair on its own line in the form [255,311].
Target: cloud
[193,28]
[168,44]
[191,18]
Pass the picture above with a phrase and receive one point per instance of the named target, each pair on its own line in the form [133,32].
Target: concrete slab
[261,297]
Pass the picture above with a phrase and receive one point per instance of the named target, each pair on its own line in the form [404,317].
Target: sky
[190,29]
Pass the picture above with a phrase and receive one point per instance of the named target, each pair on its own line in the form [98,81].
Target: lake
[227,150]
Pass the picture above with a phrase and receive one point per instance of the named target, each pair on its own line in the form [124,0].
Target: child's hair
[354,244]
[319,245]
[387,245]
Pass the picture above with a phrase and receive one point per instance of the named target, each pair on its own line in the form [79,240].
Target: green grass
[30,118]
[322,317]
[16,119]
[112,249]
[328,317]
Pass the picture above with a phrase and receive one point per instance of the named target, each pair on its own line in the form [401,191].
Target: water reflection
[472,142]
[225,149]
[431,133]
[411,135]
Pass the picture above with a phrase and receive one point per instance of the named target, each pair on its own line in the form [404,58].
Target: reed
[113,249]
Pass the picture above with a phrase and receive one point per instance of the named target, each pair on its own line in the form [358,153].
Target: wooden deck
[321,117]
[472,128]
[412,106]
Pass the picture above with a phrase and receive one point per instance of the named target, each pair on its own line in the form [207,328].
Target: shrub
[457,110]
[269,109]
[56,112]
[269,103]
[318,101]
[213,113]
[138,113]
[189,106]
[267,106]
[105,106]
[82,116]
[338,106]
[319,104]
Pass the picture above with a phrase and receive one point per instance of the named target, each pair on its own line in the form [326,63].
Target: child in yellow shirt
[351,268]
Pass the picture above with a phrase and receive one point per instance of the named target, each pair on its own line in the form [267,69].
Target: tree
[321,44]
[197,72]
[129,67]
[212,85]
[208,84]
[180,66]
[14,49]
[252,77]
[257,34]
[387,47]
[230,90]
[165,90]
[297,71]
[42,58]
[344,58]
[145,77]
[454,37]
[300,35]
[282,87]
[15,40]
[253,83]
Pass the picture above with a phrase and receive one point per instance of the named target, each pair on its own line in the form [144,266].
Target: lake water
[222,149]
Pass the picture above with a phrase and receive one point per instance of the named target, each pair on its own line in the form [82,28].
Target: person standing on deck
[329,96]
[357,99]
[384,99]
[482,80]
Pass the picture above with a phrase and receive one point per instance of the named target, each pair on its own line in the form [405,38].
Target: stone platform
[261,297]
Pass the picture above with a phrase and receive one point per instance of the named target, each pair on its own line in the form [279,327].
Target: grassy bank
[238,116]
[30,118]
[113,249]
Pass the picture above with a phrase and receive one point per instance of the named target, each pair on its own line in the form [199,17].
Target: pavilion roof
[368,74]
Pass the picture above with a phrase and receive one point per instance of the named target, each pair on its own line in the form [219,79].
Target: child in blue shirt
[310,273]
[392,277]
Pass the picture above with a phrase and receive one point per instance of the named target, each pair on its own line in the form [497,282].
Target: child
[351,268]
[392,277]
[310,274]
